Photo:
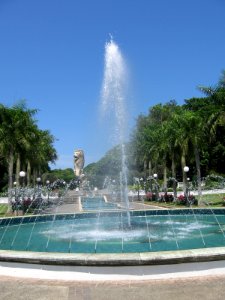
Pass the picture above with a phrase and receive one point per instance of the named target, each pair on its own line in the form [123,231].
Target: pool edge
[117,259]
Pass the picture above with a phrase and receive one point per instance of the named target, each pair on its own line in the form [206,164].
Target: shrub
[26,204]
[167,197]
[214,181]
[188,201]
[150,196]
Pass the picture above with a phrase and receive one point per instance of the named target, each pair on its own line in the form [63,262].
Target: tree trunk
[184,175]
[173,167]
[28,173]
[34,176]
[149,168]
[197,162]
[10,168]
[165,178]
[10,179]
[145,168]
[18,169]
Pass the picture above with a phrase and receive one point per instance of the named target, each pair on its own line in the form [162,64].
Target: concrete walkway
[206,288]
[64,209]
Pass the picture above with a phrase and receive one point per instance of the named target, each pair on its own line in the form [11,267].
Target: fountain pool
[93,238]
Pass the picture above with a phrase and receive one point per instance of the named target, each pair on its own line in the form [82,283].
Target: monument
[78,162]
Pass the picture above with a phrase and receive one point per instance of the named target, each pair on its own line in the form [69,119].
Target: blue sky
[52,54]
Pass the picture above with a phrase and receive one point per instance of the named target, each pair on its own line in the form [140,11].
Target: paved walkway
[64,209]
[206,288]
[170,282]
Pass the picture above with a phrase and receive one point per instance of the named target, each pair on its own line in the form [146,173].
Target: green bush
[188,201]
[213,181]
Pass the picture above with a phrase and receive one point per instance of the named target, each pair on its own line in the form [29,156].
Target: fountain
[113,234]
[113,101]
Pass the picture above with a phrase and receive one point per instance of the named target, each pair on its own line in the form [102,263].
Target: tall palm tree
[6,139]
[21,140]
[24,132]
[216,103]
[190,135]
[12,134]
[41,153]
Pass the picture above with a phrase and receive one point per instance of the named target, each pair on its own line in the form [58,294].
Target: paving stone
[205,288]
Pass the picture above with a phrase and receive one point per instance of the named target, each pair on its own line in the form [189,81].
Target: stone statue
[78,162]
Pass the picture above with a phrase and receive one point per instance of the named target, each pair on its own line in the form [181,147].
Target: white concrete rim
[112,274]
[114,259]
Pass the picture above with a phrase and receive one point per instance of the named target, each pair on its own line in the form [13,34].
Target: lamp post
[64,186]
[15,195]
[188,186]
[141,183]
[22,176]
[38,184]
[186,170]
[155,176]
[47,184]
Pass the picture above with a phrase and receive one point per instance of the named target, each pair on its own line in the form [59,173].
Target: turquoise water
[104,232]
[96,203]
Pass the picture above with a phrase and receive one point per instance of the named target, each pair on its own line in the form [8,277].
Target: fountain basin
[116,259]
[155,237]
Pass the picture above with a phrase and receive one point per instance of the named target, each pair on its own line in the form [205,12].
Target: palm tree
[12,136]
[164,149]
[216,103]
[190,135]
[21,140]
[41,153]
[24,133]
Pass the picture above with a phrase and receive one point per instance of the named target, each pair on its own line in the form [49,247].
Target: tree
[15,123]
[41,153]
[21,140]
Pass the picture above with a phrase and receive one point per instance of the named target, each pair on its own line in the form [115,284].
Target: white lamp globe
[22,174]
[186,169]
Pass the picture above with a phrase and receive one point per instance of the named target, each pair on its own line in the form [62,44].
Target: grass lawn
[165,204]
[215,200]
[3,209]
[211,200]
